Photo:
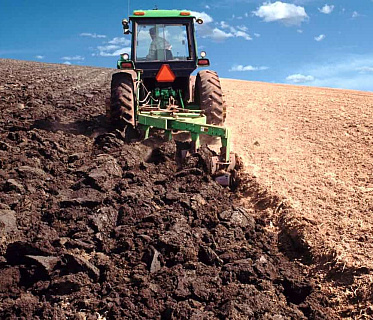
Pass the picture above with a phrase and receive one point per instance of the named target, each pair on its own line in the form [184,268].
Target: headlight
[203,54]
[125,56]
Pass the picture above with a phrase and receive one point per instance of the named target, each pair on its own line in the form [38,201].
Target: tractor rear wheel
[209,96]
[122,100]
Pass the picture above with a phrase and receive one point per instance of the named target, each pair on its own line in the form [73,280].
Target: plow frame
[193,121]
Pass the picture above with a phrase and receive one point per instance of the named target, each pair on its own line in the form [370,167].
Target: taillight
[126,65]
[203,62]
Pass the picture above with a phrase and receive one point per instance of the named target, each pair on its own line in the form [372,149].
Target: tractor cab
[162,36]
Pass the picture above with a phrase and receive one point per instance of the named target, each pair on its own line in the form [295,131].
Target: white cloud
[300,31]
[39,57]
[247,68]
[219,35]
[355,14]
[114,47]
[224,25]
[109,47]
[320,37]
[257,35]
[120,41]
[203,15]
[286,13]
[347,71]
[92,35]
[207,31]
[242,28]
[299,78]
[327,9]
[241,34]
[207,6]
[111,50]
[67,63]
[75,58]
[346,65]
[365,69]
[231,29]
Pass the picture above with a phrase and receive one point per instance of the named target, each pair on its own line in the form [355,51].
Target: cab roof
[161,14]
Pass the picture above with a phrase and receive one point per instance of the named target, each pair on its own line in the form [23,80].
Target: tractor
[154,87]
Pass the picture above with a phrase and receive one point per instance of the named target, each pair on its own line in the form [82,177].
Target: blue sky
[305,42]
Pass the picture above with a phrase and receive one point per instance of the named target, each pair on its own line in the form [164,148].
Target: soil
[316,156]
[97,225]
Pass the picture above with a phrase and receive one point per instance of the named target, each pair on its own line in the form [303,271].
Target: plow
[155,88]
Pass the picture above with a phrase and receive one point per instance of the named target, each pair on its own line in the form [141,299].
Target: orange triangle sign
[165,74]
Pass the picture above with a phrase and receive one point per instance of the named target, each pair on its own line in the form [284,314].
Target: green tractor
[155,89]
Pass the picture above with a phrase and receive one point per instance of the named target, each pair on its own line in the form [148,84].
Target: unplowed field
[94,224]
[314,147]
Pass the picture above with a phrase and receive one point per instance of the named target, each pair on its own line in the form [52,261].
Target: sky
[301,42]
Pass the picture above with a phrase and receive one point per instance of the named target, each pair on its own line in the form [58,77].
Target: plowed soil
[95,224]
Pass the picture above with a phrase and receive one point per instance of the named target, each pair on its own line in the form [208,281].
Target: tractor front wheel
[122,100]
[209,96]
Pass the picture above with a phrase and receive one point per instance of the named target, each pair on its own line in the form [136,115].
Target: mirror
[126,27]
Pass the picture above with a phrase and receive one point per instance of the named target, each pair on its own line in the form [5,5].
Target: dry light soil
[313,148]
[97,224]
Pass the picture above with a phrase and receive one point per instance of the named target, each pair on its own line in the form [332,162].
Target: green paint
[161,14]
[164,95]
[193,122]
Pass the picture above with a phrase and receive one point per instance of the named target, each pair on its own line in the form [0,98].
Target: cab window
[161,42]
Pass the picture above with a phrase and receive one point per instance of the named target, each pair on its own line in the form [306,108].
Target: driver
[158,43]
